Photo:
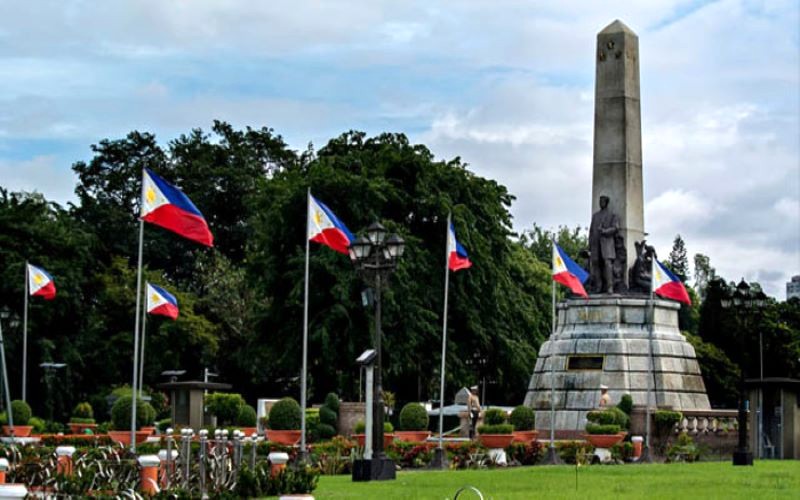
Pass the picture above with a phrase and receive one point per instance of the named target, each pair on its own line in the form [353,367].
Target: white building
[793,287]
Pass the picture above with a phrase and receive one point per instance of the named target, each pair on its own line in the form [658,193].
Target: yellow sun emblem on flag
[150,195]
[318,217]
[38,279]
[559,261]
[154,298]
[658,275]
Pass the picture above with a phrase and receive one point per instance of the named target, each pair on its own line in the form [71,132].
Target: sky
[508,86]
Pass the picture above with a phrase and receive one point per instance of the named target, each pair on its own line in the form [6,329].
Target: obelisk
[617,171]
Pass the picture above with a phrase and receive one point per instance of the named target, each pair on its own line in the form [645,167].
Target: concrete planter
[604,440]
[496,440]
[286,438]
[361,438]
[19,430]
[412,436]
[80,428]
[525,436]
[124,437]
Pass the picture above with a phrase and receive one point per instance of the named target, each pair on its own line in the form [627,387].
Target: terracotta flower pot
[412,436]
[286,438]
[20,431]
[151,429]
[604,440]
[80,428]
[496,440]
[525,436]
[124,437]
[361,439]
[248,431]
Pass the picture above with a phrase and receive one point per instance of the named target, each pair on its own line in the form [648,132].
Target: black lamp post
[375,258]
[744,300]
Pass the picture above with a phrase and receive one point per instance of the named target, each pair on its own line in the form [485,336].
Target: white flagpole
[552,360]
[444,334]
[25,336]
[136,335]
[141,356]
[650,364]
[303,380]
[9,413]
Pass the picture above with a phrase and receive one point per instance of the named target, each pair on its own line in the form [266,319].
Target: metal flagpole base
[439,460]
[646,458]
[551,457]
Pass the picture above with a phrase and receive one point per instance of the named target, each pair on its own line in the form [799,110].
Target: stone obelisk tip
[617,27]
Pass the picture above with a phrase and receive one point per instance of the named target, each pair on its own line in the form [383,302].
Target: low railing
[708,422]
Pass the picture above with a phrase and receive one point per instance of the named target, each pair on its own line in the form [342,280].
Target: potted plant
[495,432]
[360,437]
[524,421]
[82,418]
[284,422]
[121,420]
[328,417]
[413,423]
[247,420]
[604,427]
[21,412]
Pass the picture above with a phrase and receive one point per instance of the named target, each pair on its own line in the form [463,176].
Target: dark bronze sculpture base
[376,469]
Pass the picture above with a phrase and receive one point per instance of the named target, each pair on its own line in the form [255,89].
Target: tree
[573,241]
[678,262]
[703,274]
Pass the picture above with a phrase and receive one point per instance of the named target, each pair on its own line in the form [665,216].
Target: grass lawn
[765,480]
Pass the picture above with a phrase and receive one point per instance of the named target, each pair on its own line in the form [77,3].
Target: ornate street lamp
[375,258]
[744,300]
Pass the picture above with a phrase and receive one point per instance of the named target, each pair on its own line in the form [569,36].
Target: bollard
[13,491]
[3,470]
[186,437]
[277,460]
[253,450]
[149,473]
[64,464]
[637,446]
[166,469]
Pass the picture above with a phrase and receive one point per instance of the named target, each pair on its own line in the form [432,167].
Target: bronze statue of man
[603,230]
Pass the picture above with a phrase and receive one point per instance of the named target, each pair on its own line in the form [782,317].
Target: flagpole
[444,339]
[552,457]
[646,456]
[303,379]
[141,356]
[25,337]
[9,413]
[136,335]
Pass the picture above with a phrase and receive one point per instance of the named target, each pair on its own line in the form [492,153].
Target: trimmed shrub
[84,412]
[285,415]
[610,416]
[495,429]
[326,431]
[327,416]
[247,416]
[626,404]
[494,416]
[602,428]
[121,414]
[413,417]
[225,406]
[21,411]
[666,419]
[388,428]
[38,424]
[360,427]
[332,402]
[523,418]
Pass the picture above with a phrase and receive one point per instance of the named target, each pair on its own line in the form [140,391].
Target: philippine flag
[165,205]
[567,272]
[668,285]
[457,254]
[161,302]
[40,284]
[324,227]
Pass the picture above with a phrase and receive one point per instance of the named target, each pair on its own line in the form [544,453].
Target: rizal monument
[610,338]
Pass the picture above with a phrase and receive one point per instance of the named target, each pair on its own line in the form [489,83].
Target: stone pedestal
[604,341]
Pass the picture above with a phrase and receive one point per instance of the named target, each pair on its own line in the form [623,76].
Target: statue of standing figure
[604,234]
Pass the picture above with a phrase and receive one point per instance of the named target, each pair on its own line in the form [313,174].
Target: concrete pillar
[3,470]
[13,491]
[64,464]
[166,468]
[148,473]
[277,462]
[617,171]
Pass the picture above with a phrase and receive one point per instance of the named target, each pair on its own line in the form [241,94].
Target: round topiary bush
[247,416]
[626,404]
[285,415]
[360,427]
[326,431]
[21,411]
[413,417]
[83,411]
[523,418]
[327,416]
[332,402]
[121,413]
[225,406]
[494,416]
